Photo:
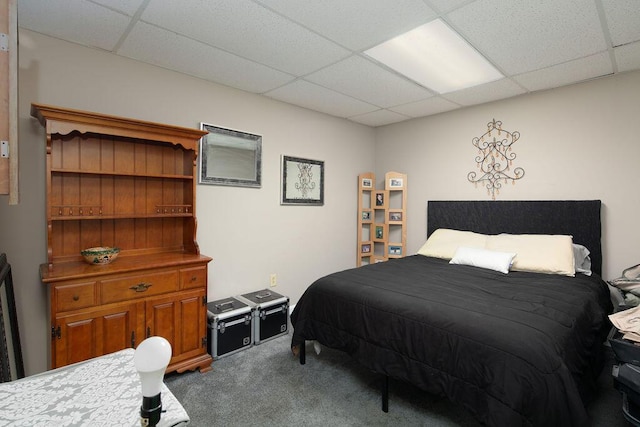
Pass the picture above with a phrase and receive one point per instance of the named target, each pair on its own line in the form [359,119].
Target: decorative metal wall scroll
[495,158]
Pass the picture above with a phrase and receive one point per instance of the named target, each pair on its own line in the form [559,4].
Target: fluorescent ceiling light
[436,57]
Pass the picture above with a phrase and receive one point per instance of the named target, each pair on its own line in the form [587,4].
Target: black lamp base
[150,410]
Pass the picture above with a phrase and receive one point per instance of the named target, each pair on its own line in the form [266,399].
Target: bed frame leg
[385,393]
[303,353]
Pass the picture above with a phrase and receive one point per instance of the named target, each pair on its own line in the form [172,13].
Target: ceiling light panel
[436,57]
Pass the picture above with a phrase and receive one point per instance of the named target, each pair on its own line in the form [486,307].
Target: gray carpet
[265,386]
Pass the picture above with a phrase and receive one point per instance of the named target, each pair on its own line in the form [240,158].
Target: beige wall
[577,142]
[246,230]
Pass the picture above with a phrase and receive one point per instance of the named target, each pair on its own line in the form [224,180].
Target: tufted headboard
[578,218]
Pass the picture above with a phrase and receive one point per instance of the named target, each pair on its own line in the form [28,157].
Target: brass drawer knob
[141,287]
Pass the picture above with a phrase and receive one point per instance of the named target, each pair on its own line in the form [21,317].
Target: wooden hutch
[113,181]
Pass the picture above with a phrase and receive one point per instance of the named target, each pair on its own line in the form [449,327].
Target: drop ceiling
[310,52]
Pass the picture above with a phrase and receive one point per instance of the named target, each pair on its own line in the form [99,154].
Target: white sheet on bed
[104,391]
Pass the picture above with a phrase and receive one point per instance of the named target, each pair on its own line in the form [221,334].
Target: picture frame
[230,157]
[367,183]
[395,250]
[11,362]
[365,248]
[379,232]
[396,183]
[302,181]
[366,216]
[380,199]
[395,216]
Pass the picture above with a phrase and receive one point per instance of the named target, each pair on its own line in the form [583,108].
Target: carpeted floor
[266,386]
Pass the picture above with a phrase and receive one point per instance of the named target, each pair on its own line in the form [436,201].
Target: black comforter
[514,349]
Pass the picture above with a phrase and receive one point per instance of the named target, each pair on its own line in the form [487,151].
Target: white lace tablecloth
[104,391]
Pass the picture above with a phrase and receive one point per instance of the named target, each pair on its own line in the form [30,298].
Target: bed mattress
[514,349]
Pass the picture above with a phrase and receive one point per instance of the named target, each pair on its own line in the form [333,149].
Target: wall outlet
[273,280]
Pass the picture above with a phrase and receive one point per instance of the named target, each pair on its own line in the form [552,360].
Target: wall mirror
[11,365]
[230,157]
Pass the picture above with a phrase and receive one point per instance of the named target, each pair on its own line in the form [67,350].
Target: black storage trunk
[625,351]
[626,375]
[229,327]
[270,314]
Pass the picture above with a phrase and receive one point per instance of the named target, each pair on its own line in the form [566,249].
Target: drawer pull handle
[141,287]
[76,297]
[194,278]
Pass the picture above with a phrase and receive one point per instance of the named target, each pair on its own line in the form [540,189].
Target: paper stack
[628,323]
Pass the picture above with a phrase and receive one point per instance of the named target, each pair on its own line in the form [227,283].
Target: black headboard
[578,218]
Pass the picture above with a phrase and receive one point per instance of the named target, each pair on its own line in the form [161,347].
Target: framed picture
[367,183]
[366,248]
[366,216]
[380,199]
[379,232]
[230,157]
[395,250]
[302,182]
[395,216]
[396,183]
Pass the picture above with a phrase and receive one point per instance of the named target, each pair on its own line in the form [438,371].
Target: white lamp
[151,359]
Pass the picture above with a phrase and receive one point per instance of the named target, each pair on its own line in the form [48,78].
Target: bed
[522,348]
[104,391]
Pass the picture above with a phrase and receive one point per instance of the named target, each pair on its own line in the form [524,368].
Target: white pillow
[483,258]
[539,253]
[582,260]
[443,242]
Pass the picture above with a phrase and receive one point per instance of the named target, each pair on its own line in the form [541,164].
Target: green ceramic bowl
[100,255]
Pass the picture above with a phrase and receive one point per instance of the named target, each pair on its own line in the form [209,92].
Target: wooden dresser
[126,183]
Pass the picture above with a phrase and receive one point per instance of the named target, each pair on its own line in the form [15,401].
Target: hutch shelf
[112,181]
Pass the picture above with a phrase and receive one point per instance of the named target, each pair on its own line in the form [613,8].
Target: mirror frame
[225,179]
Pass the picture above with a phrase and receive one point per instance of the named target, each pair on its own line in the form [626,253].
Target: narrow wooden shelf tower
[112,181]
[382,219]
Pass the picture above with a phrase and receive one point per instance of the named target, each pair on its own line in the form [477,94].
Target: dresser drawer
[138,286]
[195,277]
[73,296]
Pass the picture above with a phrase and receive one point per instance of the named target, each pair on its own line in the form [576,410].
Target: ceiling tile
[628,57]
[356,24]
[130,7]
[444,6]
[248,30]
[147,43]
[92,25]
[567,73]
[426,107]
[317,98]
[361,79]
[623,18]
[522,35]
[379,118]
[309,53]
[488,92]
